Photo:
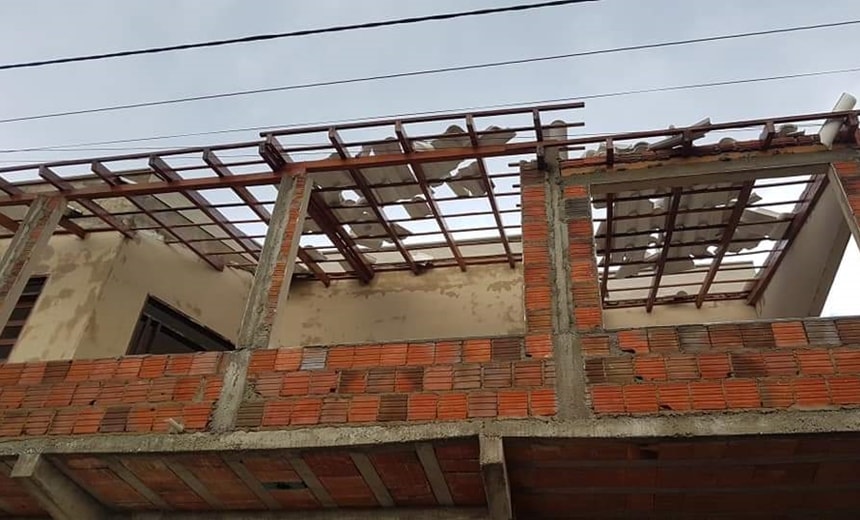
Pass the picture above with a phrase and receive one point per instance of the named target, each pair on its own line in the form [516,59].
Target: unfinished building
[470,315]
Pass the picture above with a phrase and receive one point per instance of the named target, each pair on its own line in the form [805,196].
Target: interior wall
[146,266]
[76,271]
[799,287]
[399,306]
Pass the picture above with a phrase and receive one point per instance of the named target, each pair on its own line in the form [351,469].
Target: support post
[495,475]
[562,296]
[26,247]
[54,491]
[269,290]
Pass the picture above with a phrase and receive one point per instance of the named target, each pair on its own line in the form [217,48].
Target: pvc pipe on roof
[831,127]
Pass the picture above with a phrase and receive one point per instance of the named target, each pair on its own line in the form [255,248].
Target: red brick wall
[537,281]
[435,381]
[430,381]
[848,174]
[131,394]
[585,293]
[445,380]
[809,364]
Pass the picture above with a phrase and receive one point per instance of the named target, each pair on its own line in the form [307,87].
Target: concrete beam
[334,514]
[727,167]
[55,492]
[372,478]
[269,290]
[494,472]
[24,250]
[312,482]
[427,457]
[116,465]
[690,426]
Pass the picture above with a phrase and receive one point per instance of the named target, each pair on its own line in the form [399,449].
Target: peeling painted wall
[146,266]
[441,303]
[76,272]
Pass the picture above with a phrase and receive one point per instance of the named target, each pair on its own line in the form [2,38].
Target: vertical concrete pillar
[30,239]
[269,290]
[845,177]
[277,263]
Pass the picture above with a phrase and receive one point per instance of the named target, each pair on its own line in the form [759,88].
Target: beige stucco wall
[682,314]
[800,286]
[441,303]
[76,271]
[146,266]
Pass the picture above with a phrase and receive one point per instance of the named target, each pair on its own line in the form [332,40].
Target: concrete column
[269,289]
[494,472]
[277,262]
[845,177]
[27,245]
[547,278]
[54,491]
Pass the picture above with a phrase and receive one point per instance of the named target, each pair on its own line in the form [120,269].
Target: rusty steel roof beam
[728,234]
[64,186]
[810,197]
[113,179]
[166,172]
[260,210]
[327,221]
[488,184]
[418,170]
[367,192]
[664,253]
[14,191]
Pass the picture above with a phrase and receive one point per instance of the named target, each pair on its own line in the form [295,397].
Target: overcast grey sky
[35,30]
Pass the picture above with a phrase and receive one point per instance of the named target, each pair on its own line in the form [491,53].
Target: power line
[423,72]
[292,34]
[673,88]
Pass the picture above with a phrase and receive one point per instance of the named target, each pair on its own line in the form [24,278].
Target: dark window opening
[19,315]
[164,330]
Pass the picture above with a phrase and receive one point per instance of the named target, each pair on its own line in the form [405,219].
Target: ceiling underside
[749,477]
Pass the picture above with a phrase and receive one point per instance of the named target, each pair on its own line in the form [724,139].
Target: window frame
[34,287]
[158,317]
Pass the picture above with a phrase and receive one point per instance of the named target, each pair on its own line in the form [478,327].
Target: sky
[51,28]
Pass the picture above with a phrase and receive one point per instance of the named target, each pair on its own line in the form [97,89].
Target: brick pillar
[277,262]
[269,289]
[32,236]
[585,292]
[537,288]
[547,287]
[845,177]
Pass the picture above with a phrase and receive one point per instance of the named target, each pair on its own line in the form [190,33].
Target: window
[19,315]
[164,330]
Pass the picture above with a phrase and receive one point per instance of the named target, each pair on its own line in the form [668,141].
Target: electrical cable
[291,34]
[79,146]
[423,72]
